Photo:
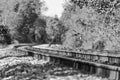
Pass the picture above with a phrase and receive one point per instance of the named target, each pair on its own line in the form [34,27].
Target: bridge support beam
[92,69]
[58,61]
[86,68]
[98,71]
[114,75]
[52,59]
[36,56]
[75,65]
[48,58]
[44,58]
[103,72]
[39,57]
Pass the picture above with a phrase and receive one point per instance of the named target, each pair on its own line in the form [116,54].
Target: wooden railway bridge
[104,64]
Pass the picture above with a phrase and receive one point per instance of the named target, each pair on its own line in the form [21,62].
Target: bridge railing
[20,52]
[105,57]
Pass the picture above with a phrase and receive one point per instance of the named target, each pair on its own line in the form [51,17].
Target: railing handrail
[105,53]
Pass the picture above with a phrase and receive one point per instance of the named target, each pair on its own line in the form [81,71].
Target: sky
[55,7]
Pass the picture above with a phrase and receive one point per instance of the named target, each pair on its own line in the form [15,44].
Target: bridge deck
[97,64]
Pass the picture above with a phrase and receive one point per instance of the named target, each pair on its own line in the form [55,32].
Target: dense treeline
[26,24]
[88,24]
[20,16]
[93,24]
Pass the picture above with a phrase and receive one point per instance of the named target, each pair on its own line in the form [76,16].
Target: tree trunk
[52,40]
[30,39]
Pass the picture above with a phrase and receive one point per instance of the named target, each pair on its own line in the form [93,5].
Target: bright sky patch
[55,7]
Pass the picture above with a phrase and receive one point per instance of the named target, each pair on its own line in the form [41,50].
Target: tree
[55,29]
[95,20]
[40,32]
[19,16]
[29,13]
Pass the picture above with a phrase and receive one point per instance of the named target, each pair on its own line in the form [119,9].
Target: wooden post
[43,57]
[77,65]
[73,64]
[114,75]
[35,55]
[47,58]
[92,69]
[39,57]
[98,71]
[53,59]
[58,61]
[50,59]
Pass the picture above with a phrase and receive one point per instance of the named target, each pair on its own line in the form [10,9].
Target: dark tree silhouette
[4,35]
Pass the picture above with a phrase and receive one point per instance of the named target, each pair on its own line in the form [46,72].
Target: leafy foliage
[55,30]
[40,30]
[96,22]
[20,17]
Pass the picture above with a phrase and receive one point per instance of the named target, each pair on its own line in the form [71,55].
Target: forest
[88,24]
